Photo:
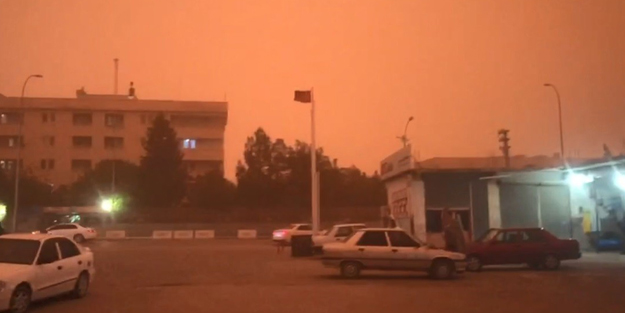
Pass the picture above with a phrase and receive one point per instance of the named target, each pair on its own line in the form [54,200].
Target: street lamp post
[404,138]
[19,151]
[568,202]
[560,119]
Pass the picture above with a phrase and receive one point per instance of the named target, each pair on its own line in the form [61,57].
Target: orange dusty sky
[463,69]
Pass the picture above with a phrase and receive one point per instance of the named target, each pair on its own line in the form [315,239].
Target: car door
[501,249]
[532,246]
[406,253]
[72,263]
[373,250]
[48,276]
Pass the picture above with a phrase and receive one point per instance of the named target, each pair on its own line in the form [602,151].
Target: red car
[533,246]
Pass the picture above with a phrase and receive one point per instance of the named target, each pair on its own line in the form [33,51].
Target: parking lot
[250,276]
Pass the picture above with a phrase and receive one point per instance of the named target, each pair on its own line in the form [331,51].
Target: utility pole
[505,147]
[116,61]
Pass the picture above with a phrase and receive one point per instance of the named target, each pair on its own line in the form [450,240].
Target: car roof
[29,236]
[351,224]
[381,229]
[75,224]
[518,228]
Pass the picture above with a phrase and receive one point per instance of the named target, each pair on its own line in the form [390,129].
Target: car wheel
[474,264]
[350,269]
[551,262]
[442,269]
[20,299]
[79,238]
[82,286]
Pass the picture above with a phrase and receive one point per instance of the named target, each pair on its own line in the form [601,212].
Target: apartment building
[64,137]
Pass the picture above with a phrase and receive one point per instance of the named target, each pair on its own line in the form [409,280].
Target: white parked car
[284,235]
[38,266]
[73,231]
[390,249]
[337,233]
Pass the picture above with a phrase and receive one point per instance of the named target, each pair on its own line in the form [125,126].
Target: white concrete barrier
[183,234]
[162,234]
[246,233]
[115,234]
[204,234]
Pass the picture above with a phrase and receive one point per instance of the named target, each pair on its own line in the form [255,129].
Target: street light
[560,118]
[404,138]
[19,150]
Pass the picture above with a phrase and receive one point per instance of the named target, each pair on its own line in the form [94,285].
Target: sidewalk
[603,257]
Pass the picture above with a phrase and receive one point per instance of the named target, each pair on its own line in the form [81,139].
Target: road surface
[250,276]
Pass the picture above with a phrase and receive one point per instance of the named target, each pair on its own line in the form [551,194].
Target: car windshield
[350,236]
[490,234]
[18,251]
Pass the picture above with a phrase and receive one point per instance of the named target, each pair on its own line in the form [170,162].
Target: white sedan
[284,235]
[73,231]
[390,249]
[39,266]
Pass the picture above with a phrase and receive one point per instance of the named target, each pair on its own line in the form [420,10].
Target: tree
[98,183]
[163,176]
[256,178]
[32,192]
[212,191]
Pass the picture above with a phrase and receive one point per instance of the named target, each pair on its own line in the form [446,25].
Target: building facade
[64,137]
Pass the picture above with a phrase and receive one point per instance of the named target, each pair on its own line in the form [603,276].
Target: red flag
[304,96]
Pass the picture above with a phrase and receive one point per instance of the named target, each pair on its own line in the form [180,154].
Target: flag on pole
[304,96]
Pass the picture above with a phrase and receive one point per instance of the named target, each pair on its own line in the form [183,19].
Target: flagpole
[313,167]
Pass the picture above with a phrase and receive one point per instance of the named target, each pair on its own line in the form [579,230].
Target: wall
[62,128]
[459,189]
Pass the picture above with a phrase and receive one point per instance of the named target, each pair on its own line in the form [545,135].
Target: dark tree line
[272,174]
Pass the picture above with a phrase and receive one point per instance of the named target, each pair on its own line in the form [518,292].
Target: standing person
[453,233]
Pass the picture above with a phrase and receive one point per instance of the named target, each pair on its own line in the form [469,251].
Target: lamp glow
[107,205]
[3,211]
[579,180]
[619,181]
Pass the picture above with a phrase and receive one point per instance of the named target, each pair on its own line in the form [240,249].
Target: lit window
[188,144]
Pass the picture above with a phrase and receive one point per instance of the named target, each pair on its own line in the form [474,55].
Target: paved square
[247,276]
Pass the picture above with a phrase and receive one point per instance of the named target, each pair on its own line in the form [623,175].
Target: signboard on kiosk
[397,163]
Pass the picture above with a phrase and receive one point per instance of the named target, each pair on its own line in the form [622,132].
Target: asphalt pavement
[250,276]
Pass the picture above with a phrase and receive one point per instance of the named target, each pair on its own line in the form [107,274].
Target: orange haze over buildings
[463,69]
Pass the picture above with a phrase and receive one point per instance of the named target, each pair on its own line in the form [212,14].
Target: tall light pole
[19,151]
[560,118]
[404,138]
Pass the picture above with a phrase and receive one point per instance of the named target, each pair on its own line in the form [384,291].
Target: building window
[81,141]
[47,164]
[48,141]
[188,143]
[113,142]
[7,164]
[44,117]
[82,119]
[10,118]
[81,165]
[114,120]
[10,141]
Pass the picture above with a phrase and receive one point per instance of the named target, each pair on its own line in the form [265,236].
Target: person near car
[453,233]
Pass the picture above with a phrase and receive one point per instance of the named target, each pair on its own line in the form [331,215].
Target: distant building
[64,137]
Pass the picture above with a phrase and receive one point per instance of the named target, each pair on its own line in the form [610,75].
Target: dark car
[535,247]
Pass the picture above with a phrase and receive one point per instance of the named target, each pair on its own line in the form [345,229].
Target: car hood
[11,272]
[434,252]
